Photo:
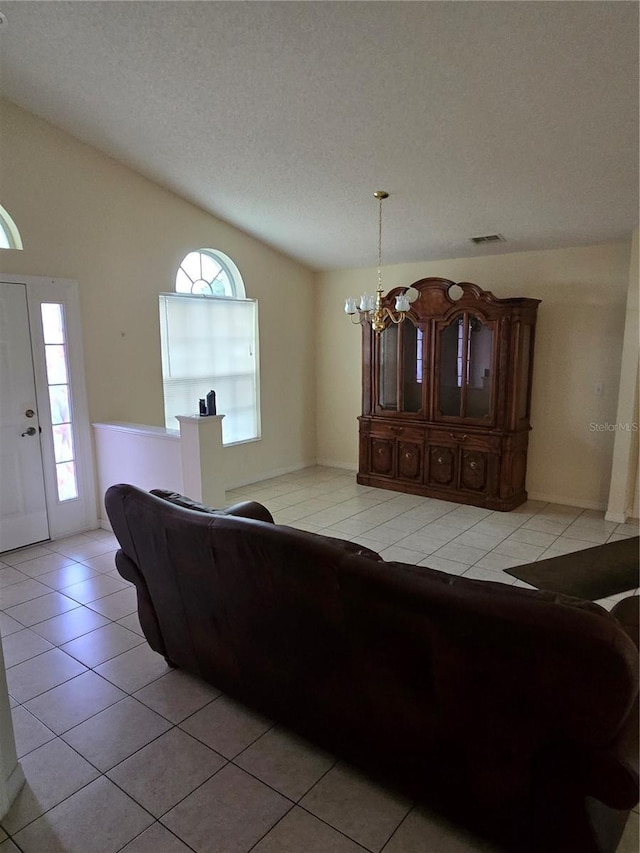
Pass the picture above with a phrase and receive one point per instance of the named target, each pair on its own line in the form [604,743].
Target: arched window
[9,234]
[209,273]
[209,339]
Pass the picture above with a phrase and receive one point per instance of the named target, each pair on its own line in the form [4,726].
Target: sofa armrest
[146,611]
[613,772]
[618,766]
[249,509]
[244,509]
[627,612]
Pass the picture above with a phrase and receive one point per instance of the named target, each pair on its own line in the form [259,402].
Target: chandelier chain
[380,243]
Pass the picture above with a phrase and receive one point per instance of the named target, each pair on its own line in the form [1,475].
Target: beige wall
[578,343]
[84,216]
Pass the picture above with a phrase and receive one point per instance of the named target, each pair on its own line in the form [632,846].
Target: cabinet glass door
[451,363]
[478,377]
[400,368]
[412,367]
[465,368]
[388,369]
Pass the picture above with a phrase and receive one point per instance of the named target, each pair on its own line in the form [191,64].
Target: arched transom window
[209,273]
[9,234]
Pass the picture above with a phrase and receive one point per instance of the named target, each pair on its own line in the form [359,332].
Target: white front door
[23,508]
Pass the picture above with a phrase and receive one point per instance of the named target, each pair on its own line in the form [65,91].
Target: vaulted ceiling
[282,118]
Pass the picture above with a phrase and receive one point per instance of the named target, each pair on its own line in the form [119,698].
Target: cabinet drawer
[409,433]
[460,438]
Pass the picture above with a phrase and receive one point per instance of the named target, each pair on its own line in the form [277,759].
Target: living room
[90,213]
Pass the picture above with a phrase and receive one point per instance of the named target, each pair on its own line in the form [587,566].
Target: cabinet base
[459,497]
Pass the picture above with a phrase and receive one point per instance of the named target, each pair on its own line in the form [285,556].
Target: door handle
[30,431]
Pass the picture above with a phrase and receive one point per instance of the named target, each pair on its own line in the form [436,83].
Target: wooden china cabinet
[446,396]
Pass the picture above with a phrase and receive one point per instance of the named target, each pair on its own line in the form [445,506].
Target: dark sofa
[512,711]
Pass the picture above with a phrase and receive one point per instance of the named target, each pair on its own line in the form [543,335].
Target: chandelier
[369,307]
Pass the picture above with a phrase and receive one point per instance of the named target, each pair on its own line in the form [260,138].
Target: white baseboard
[331,463]
[618,517]
[274,472]
[565,501]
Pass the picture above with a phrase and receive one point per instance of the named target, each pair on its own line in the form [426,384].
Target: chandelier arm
[395,319]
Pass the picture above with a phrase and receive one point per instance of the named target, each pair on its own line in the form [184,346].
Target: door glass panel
[59,401]
[388,368]
[52,323]
[66,480]
[63,443]
[55,347]
[56,364]
[412,339]
[451,368]
[479,376]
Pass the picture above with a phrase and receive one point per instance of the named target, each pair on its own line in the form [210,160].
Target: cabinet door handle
[456,437]
[408,454]
[439,460]
[473,465]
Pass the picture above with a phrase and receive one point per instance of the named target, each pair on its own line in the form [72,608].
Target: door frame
[78,514]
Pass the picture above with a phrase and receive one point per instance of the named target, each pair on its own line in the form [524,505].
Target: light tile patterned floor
[123,754]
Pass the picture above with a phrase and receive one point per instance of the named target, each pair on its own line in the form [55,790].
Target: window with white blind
[211,343]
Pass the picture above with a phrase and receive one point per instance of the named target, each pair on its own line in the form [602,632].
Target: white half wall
[144,456]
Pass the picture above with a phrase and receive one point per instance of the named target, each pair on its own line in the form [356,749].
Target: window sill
[242,441]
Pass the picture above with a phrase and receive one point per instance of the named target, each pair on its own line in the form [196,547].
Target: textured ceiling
[282,118]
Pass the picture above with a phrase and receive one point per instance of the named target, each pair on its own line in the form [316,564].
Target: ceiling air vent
[488,238]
